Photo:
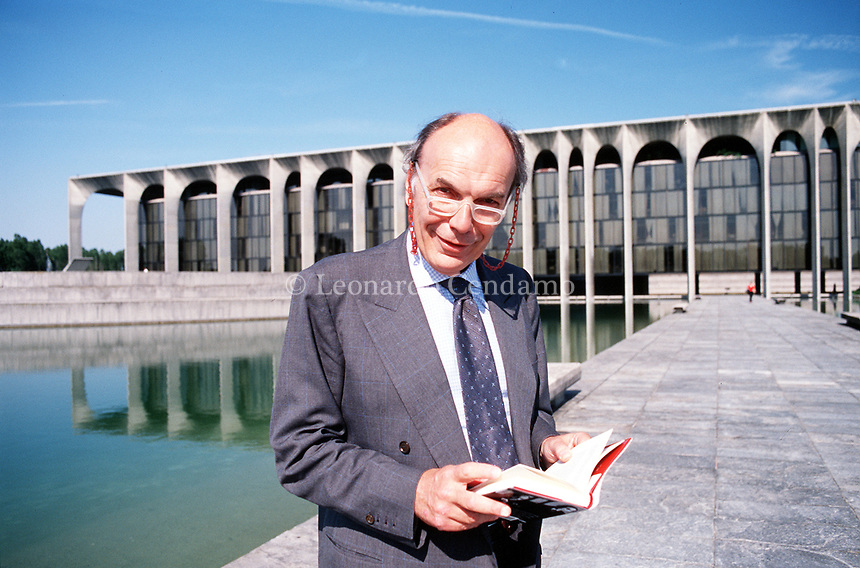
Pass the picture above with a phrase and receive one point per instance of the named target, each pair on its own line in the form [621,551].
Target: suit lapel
[399,330]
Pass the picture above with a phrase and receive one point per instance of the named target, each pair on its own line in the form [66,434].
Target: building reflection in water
[577,332]
[227,400]
[199,382]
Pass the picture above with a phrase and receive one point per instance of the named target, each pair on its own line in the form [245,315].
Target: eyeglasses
[445,207]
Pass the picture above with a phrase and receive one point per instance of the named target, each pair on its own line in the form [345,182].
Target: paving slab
[745,420]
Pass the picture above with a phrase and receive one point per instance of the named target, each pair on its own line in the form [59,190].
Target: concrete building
[684,205]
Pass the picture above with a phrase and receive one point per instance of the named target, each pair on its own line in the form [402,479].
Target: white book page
[577,470]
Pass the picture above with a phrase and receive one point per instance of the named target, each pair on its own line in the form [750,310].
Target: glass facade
[855,210]
[727,199]
[789,212]
[293,230]
[608,220]
[831,207]
[644,200]
[576,207]
[334,219]
[150,224]
[250,230]
[499,240]
[198,229]
[379,217]
[659,211]
[546,237]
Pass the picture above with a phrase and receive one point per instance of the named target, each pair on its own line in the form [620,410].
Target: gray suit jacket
[362,407]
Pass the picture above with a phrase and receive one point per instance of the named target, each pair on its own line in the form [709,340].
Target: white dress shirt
[438,304]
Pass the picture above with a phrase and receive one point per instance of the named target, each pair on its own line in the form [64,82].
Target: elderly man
[416,369]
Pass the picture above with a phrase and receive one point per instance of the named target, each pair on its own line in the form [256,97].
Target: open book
[565,487]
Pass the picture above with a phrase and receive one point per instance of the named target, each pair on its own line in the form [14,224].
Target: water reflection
[200,382]
[214,400]
[589,329]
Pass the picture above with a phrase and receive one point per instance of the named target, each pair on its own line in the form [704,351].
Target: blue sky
[96,86]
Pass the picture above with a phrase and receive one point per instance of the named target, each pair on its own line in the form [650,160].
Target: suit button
[404,448]
[370,520]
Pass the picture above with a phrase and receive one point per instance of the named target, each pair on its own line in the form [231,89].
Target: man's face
[468,160]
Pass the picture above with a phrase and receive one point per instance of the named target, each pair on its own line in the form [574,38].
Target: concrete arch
[292,219]
[830,215]
[576,202]
[151,228]
[333,210]
[728,206]
[198,227]
[250,225]
[79,191]
[379,205]
[609,212]
[658,212]
[657,150]
[791,215]
[789,141]
[545,217]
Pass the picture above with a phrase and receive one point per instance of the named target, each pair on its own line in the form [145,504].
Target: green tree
[106,260]
[21,254]
[59,256]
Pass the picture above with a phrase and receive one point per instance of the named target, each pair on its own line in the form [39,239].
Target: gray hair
[413,154]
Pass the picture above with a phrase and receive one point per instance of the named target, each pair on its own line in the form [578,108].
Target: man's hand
[443,501]
[557,448]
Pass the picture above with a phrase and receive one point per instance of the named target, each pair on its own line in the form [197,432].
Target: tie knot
[459,287]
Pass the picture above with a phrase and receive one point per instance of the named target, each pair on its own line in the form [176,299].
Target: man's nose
[462,221]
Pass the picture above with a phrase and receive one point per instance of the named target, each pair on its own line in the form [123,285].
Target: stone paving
[745,420]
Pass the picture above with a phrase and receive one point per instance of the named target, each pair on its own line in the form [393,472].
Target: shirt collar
[425,275]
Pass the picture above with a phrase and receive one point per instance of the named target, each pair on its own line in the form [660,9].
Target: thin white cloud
[396,9]
[805,87]
[56,103]
[780,51]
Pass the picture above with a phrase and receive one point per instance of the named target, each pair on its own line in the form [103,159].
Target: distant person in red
[751,290]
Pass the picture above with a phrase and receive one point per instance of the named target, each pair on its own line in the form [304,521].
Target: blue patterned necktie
[489,435]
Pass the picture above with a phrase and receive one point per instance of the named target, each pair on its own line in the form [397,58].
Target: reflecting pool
[148,445]
[608,328]
[139,445]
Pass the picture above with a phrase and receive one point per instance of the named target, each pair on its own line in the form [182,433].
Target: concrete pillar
[815,207]
[399,202]
[77,199]
[310,174]
[173,187]
[628,156]
[526,213]
[360,167]
[590,146]
[133,189]
[766,140]
[691,150]
[563,149]
[278,174]
[225,184]
[847,147]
